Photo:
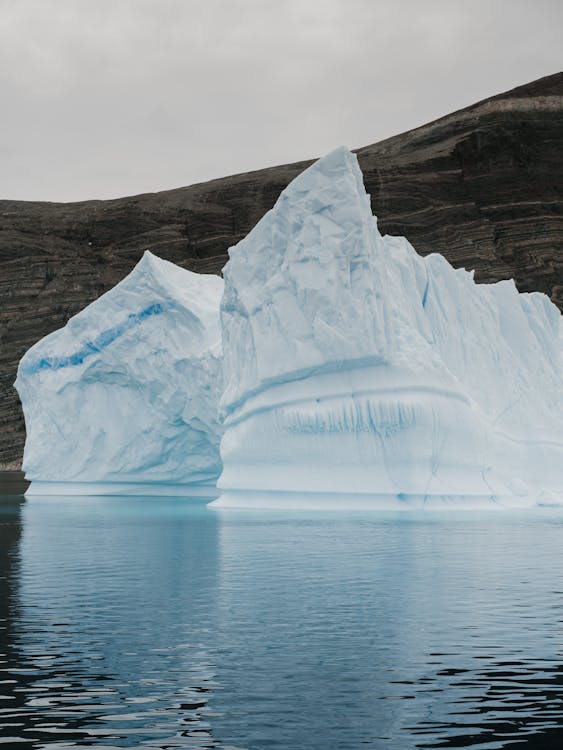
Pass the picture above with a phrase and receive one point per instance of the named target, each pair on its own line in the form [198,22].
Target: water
[162,624]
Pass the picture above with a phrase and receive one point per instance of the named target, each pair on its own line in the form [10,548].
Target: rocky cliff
[482,186]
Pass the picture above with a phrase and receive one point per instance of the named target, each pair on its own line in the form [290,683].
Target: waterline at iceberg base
[335,368]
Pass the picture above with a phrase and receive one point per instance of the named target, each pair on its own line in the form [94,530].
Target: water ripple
[155,623]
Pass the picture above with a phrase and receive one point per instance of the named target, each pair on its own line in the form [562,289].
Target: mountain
[482,186]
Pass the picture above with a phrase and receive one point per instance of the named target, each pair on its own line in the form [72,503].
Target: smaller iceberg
[126,394]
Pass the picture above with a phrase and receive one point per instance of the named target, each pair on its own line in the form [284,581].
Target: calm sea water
[160,623]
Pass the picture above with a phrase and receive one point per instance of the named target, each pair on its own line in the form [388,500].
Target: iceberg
[124,398]
[333,365]
[355,368]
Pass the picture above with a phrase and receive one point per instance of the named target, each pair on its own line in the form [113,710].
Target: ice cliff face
[127,391]
[351,364]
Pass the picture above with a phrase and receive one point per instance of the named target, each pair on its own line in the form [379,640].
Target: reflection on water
[159,623]
[106,644]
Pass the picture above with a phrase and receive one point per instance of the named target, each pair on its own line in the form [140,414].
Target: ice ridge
[104,339]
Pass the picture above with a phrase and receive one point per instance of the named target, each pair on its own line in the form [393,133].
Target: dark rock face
[482,186]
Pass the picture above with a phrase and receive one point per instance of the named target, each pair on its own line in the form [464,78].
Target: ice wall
[353,365]
[127,392]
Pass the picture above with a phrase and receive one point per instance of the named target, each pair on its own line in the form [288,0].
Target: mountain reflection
[507,704]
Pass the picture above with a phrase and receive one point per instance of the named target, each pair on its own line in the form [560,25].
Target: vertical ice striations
[353,365]
[127,392]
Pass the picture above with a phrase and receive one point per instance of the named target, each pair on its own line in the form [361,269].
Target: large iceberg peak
[302,290]
[354,365]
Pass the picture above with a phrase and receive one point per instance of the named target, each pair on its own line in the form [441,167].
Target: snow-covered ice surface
[124,398]
[357,370]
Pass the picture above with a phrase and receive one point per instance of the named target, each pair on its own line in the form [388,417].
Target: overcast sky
[104,98]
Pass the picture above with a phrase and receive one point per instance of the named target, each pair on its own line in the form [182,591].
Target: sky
[106,98]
